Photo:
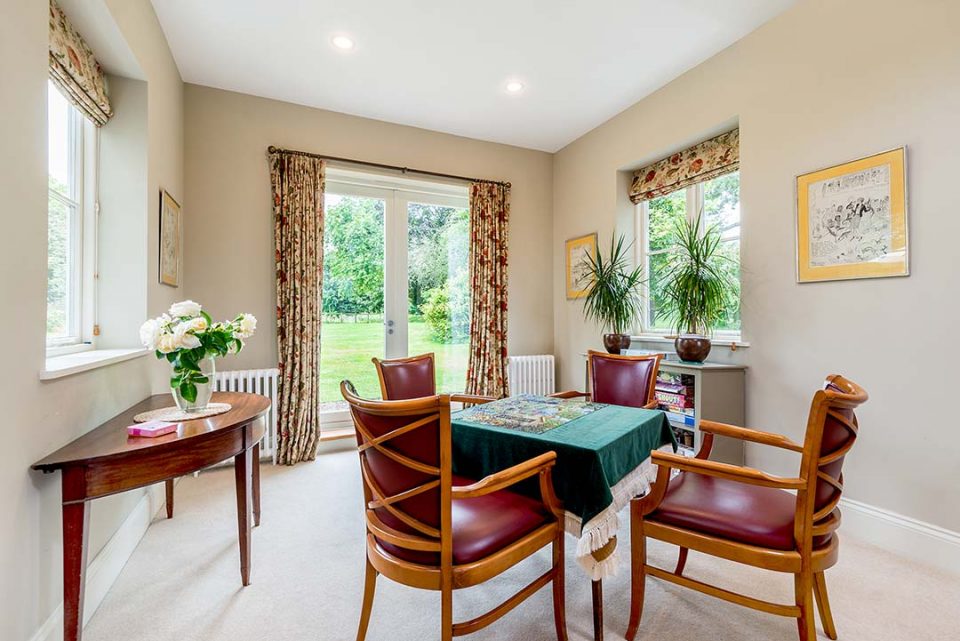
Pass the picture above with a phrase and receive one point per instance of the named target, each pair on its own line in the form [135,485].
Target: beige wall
[229,226]
[41,416]
[824,83]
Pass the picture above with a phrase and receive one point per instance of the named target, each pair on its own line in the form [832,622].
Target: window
[69,227]
[395,282]
[719,200]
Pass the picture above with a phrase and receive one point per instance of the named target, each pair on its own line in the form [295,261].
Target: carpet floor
[183,583]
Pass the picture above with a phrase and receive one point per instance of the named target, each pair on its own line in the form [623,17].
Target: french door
[395,282]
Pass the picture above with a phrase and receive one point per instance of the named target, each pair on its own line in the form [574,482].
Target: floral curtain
[75,71]
[298,184]
[709,159]
[489,219]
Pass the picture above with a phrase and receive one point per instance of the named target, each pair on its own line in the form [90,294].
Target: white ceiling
[442,64]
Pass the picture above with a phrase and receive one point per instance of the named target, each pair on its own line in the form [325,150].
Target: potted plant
[188,339]
[614,298]
[698,288]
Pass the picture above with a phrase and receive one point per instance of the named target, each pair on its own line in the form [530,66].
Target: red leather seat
[481,526]
[746,513]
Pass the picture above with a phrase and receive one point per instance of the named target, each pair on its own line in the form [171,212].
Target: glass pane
[721,206]
[59,147]
[58,268]
[731,249]
[439,290]
[658,319]
[352,296]
[662,214]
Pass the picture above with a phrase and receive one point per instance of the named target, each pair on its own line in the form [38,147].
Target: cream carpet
[183,582]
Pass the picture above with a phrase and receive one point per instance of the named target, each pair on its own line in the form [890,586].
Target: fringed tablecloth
[603,459]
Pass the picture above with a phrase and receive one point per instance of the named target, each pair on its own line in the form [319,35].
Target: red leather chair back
[831,431]
[623,380]
[393,472]
[405,378]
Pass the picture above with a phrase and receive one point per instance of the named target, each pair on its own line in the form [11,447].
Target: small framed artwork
[577,251]
[852,220]
[170,221]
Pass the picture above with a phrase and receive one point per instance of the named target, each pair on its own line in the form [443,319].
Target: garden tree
[353,257]
[437,239]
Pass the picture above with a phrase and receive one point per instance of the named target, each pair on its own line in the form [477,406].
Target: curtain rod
[405,170]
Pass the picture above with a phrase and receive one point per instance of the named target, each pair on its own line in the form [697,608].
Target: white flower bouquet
[189,340]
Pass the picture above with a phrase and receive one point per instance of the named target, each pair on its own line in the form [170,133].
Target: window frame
[83,141]
[693,204]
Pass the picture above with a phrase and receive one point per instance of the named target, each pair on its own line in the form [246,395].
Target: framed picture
[170,221]
[852,220]
[577,251]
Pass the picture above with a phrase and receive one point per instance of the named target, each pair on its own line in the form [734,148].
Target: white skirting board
[106,567]
[901,535]
[904,536]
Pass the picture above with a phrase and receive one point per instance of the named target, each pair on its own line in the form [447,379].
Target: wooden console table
[106,461]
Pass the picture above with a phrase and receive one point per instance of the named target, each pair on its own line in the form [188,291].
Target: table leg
[76,523]
[243,471]
[169,488]
[597,610]
[256,485]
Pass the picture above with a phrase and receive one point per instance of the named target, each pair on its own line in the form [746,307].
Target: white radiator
[255,381]
[531,375]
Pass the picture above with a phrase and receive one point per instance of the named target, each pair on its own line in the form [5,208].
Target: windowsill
[60,366]
[736,343]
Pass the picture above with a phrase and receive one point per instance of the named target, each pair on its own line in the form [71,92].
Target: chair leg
[559,593]
[369,587]
[681,561]
[803,592]
[638,562]
[446,613]
[823,604]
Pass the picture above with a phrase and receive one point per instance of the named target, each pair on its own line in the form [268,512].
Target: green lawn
[346,350]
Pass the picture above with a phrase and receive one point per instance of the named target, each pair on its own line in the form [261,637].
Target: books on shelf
[681,418]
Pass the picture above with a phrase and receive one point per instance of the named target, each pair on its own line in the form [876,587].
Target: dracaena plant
[698,286]
[186,335]
[614,297]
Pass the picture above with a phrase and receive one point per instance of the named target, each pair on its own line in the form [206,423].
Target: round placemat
[176,415]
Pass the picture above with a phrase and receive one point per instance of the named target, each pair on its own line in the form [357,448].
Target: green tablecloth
[597,445]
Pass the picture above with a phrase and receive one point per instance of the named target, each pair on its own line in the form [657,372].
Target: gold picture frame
[852,220]
[576,250]
[170,240]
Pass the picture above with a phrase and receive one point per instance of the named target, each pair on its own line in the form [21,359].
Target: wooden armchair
[620,380]
[745,515]
[429,529]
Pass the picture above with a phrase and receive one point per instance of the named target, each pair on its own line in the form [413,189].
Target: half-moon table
[106,461]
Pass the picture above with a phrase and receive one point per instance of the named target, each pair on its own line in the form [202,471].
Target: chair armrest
[506,478]
[570,394]
[746,434]
[741,474]
[665,461]
[472,399]
[652,405]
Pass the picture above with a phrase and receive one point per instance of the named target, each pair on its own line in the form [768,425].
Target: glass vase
[204,390]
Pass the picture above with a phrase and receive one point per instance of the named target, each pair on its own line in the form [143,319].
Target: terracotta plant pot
[692,347]
[615,343]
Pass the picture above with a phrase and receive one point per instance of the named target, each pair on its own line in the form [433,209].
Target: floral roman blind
[75,71]
[702,162]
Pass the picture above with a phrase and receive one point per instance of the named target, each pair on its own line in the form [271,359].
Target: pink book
[151,429]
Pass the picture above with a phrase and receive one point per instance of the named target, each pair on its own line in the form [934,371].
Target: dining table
[603,461]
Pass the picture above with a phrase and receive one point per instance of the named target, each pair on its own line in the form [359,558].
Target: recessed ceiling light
[342,42]
[514,86]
